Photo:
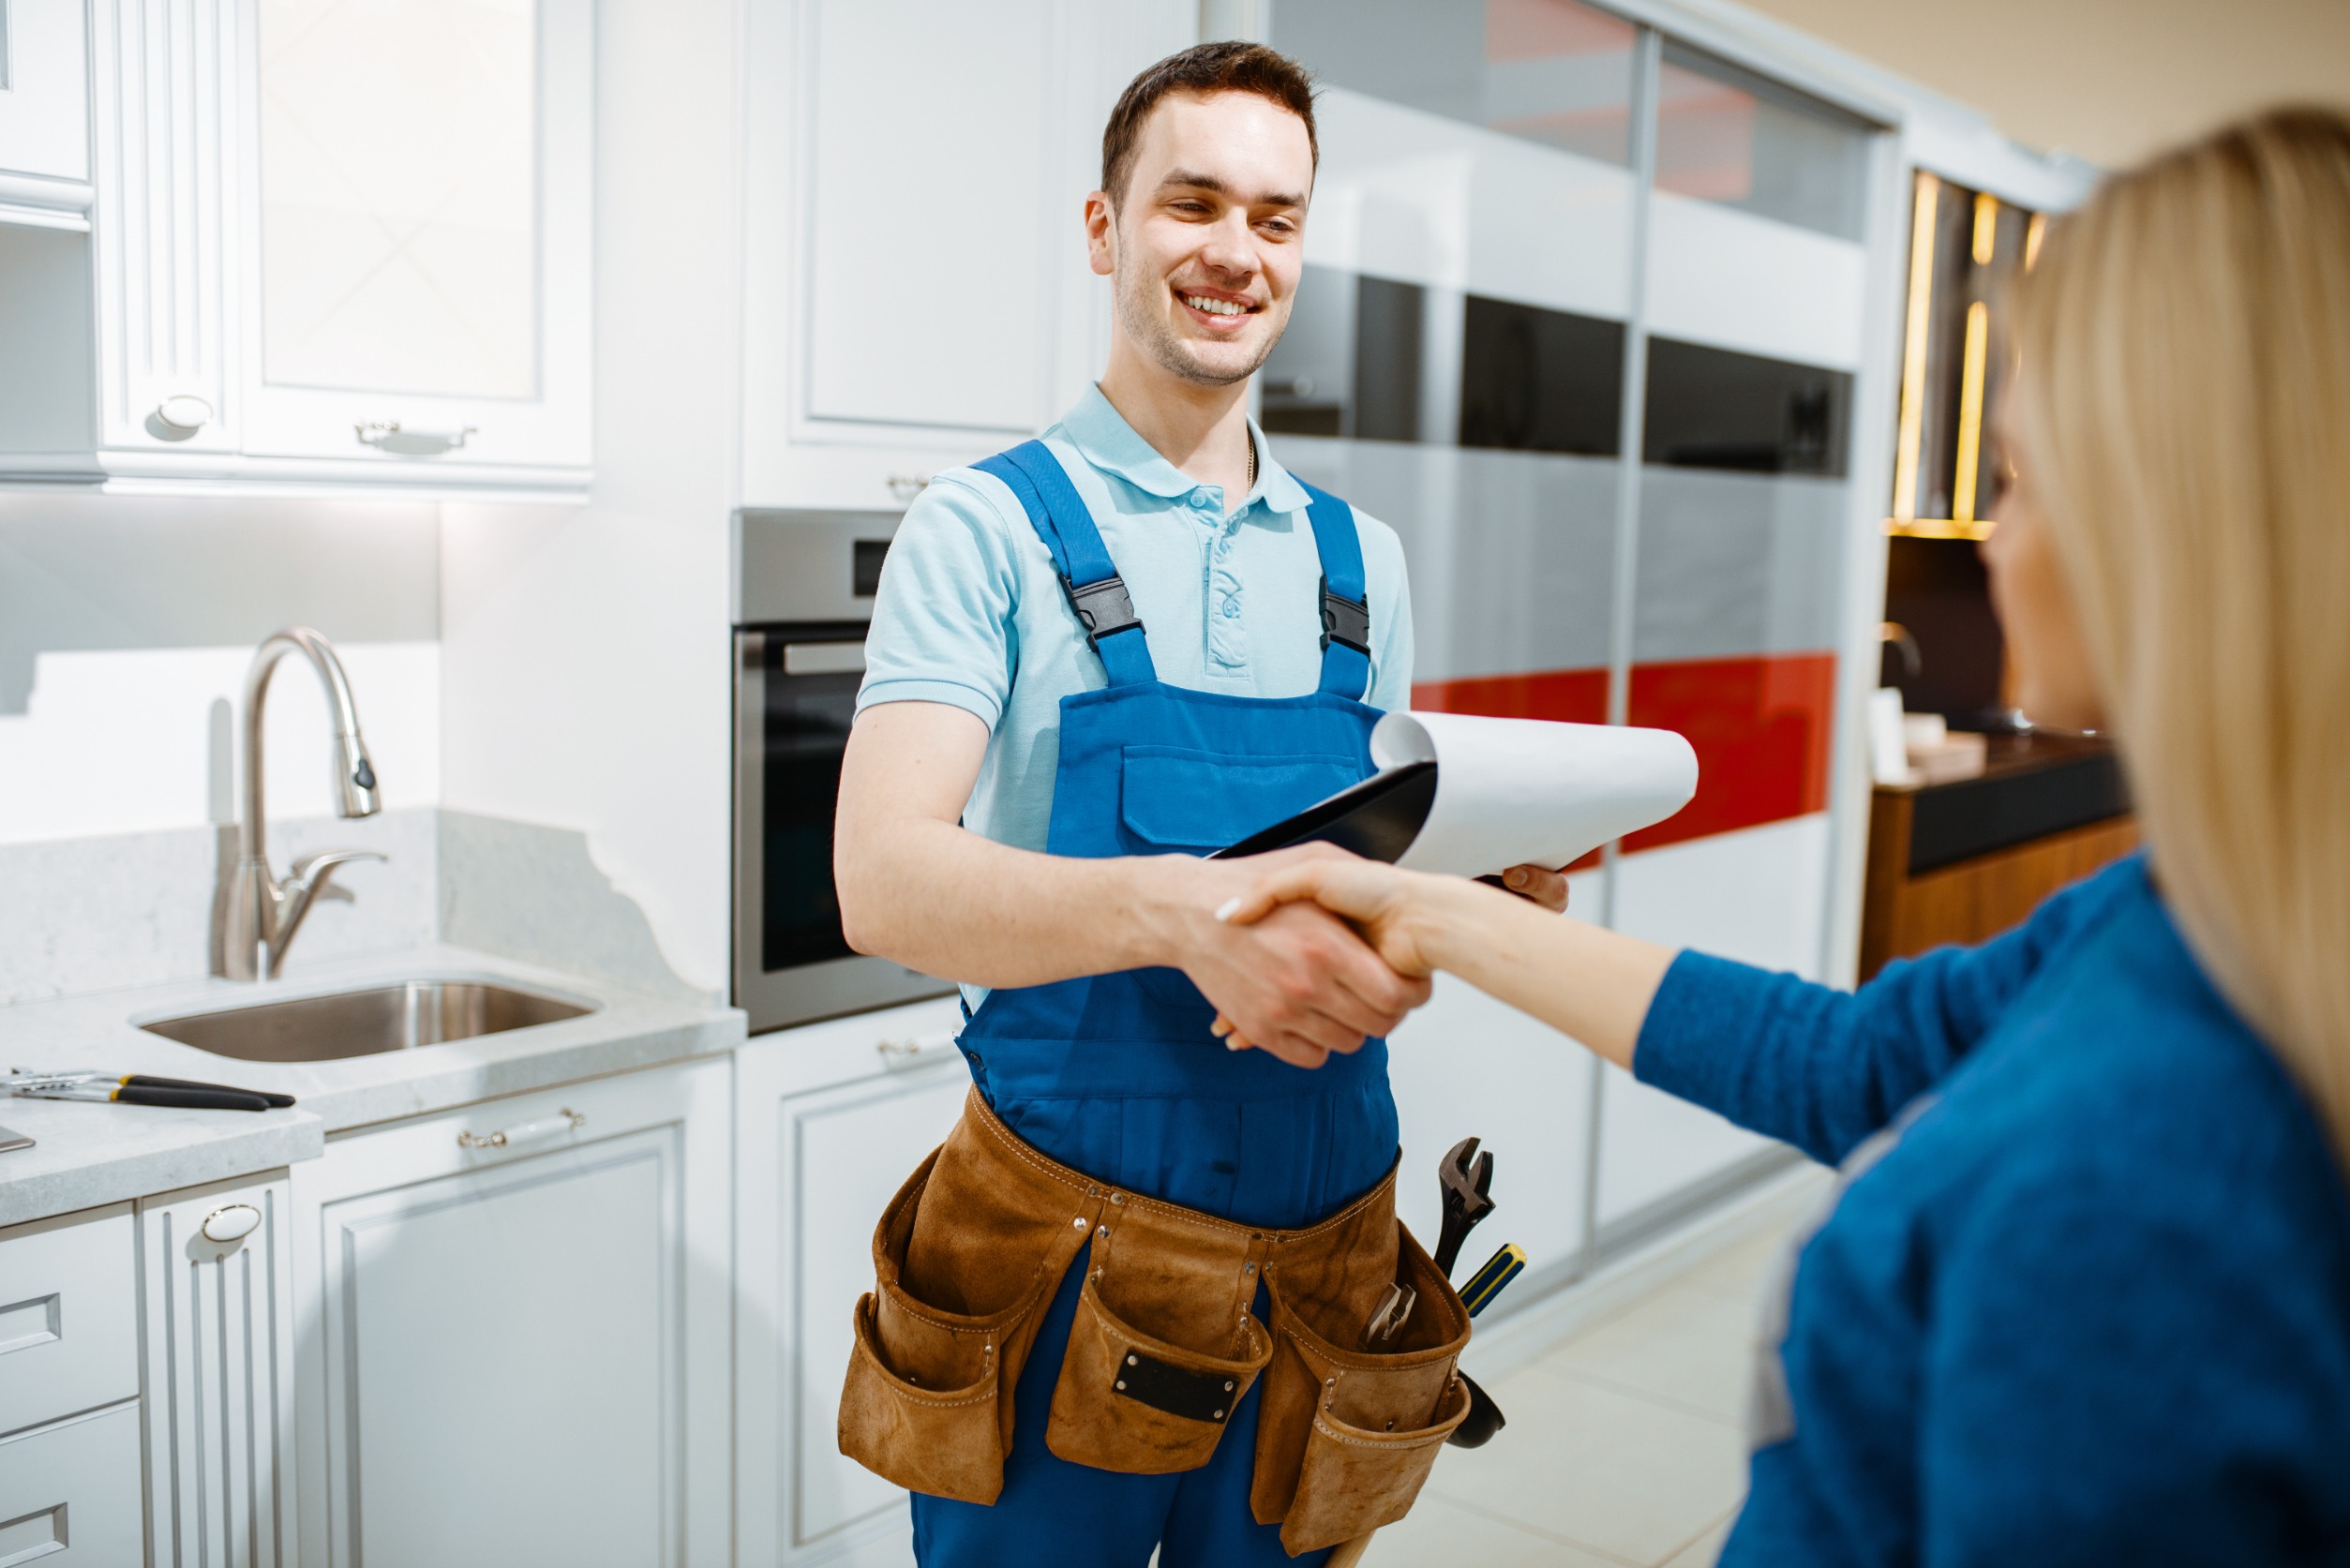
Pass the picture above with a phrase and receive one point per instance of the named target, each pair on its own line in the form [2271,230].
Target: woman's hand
[1375,898]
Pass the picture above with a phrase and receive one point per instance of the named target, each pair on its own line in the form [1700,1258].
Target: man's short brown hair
[1231,66]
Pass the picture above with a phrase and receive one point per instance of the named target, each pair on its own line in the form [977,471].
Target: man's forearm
[941,899]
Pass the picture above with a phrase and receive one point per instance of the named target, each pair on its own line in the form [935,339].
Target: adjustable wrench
[1465,1177]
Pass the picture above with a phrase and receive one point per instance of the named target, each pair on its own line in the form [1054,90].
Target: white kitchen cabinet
[513,1328]
[69,1493]
[330,247]
[220,1333]
[44,113]
[830,1121]
[917,292]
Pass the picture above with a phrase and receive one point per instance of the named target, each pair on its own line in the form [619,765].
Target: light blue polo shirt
[971,611]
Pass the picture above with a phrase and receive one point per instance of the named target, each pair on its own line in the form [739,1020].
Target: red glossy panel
[1566,697]
[1569,696]
[1761,726]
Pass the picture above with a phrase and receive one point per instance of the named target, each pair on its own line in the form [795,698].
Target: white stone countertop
[85,1154]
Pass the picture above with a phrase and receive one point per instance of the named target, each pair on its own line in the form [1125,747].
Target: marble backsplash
[133,909]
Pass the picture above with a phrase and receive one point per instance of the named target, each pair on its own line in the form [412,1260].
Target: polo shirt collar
[1101,434]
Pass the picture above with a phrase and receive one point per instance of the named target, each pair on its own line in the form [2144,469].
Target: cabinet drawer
[69,1494]
[68,1317]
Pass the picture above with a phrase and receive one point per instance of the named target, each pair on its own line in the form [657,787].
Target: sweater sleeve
[1823,1068]
[2128,1371]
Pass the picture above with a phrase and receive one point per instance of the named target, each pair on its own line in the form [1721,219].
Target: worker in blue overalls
[1141,634]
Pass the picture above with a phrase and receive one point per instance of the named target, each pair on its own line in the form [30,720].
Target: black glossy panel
[807,730]
[1540,381]
[1387,329]
[865,567]
[1937,589]
[1955,822]
[1712,408]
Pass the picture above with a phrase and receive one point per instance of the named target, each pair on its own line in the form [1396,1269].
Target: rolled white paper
[1516,792]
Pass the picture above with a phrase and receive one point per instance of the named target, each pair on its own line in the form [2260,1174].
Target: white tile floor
[1625,1446]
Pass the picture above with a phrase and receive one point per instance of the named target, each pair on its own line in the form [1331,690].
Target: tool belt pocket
[1133,1401]
[927,1398]
[1348,1437]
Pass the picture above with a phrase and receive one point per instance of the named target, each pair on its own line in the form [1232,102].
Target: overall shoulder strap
[1065,523]
[1345,600]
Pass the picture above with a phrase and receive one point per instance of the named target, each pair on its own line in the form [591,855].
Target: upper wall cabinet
[44,113]
[331,245]
[916,287]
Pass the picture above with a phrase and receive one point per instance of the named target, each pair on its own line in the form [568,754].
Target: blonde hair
[2185,342]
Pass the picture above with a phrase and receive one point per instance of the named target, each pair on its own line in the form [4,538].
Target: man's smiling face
[1208,240]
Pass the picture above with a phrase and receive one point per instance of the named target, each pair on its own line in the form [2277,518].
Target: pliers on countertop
[138,1088]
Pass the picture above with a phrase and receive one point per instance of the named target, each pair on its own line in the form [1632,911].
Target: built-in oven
[804,583]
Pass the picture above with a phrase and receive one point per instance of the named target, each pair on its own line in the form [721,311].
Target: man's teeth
[1215,306]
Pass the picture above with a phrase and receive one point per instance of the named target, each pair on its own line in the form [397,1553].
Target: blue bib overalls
[1119,1076]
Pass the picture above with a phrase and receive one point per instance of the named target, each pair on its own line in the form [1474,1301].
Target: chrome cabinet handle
[898,1056]
[565,1120]
[413,440]
[906,487]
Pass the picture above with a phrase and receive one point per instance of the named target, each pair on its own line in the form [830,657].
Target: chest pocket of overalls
[1176,800]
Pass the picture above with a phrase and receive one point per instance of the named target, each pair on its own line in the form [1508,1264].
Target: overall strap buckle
[1345,621]
[1105,608]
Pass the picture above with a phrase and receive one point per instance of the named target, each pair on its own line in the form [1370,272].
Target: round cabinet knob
[180,417]
[230,1222]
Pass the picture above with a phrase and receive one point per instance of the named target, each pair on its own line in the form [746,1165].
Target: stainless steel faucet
[261,913]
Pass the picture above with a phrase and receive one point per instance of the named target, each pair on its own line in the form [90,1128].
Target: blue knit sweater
[2088,1300]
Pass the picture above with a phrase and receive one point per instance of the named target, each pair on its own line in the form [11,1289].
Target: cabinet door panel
[931,120]
[816,1168]
[219,1373]
[504,1342]
[44,90]
[68,1317]
[519,1354]
[69,1493]
[418,188]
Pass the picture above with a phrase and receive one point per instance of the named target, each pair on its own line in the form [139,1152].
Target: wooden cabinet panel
[1973,899]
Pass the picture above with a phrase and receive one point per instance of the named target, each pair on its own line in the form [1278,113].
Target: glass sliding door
[1528,209]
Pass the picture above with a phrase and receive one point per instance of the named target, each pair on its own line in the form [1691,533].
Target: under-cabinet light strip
[1913,347]
[1962,494]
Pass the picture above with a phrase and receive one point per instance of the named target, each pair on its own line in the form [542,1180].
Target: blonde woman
[2084,1296]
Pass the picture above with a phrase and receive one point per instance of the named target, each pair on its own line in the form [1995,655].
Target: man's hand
[1545,887]
[917,887]
[1299,982]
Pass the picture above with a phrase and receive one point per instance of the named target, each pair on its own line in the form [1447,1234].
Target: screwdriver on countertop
[141,1089]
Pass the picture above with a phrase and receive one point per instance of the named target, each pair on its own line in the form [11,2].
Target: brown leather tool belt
[970,1251]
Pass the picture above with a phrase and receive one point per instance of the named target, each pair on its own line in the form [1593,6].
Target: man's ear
[1102,233]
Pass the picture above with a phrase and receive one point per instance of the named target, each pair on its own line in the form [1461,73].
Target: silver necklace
[1253,463]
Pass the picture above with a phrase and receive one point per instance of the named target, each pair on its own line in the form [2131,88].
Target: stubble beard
[1150,331]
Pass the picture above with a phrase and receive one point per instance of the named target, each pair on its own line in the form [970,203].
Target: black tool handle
[1456,1227]
[192,1099]
[148,1081]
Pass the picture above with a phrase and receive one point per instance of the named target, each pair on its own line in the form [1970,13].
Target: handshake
[1308,950]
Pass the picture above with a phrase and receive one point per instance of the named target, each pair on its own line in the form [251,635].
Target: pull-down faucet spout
[261,913]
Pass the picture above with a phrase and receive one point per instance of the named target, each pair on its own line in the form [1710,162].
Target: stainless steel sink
[362,1022]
